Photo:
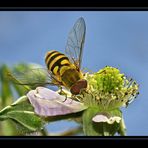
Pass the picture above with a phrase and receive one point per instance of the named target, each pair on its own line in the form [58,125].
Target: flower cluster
[109,89]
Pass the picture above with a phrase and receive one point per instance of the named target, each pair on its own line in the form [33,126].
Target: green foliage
[15,114]
[6,98]
[5,92]
[22,113]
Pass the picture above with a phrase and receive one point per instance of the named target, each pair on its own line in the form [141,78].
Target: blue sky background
[114,38]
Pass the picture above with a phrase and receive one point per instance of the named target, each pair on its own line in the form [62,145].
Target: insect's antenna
[10,76]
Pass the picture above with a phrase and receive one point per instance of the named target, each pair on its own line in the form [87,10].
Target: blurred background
[114,38]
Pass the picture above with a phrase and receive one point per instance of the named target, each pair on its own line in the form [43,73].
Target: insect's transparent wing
[33,77]
[75,42]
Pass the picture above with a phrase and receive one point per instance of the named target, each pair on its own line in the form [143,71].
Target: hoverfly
[62,69]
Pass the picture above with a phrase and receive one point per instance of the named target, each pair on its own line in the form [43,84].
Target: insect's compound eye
[76,88]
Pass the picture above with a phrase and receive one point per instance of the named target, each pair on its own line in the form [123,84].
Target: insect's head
[78,86]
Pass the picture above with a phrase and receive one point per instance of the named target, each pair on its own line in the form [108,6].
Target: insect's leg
[76,98]
[65,97]
[62,93]
[60,88]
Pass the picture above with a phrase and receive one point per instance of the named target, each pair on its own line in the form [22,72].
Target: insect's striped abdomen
[55,61]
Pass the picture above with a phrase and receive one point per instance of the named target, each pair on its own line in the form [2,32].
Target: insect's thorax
[70,76]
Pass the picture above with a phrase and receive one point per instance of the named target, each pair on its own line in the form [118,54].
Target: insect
[63,69]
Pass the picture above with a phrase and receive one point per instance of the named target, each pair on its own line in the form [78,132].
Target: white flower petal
[103,118]
[49,103]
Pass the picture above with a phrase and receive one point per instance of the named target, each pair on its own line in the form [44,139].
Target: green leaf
[91,128]
[21,112]
[6,98]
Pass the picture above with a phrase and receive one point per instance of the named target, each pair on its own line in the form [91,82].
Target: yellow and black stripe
[55,61]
